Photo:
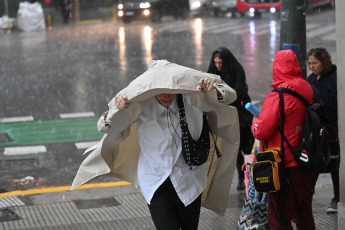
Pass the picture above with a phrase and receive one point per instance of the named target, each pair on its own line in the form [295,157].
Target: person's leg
[239,163]
[303,187]
[335,180]
[163,208]
[247,140]
[189,215]
[279,210]
[246,146]
[293,202]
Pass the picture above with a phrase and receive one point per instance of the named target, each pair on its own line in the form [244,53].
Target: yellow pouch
[268,171]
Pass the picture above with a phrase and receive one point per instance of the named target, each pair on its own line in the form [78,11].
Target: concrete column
[293,30]
[340,50]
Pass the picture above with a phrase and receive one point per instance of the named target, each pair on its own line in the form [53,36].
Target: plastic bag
[30,17]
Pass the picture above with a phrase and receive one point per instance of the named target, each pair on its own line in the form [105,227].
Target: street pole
[293,30]
[77,11]
[6,9]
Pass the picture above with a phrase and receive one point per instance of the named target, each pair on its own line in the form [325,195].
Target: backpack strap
[282,118]
[281,97]
[293,93]
[281,90]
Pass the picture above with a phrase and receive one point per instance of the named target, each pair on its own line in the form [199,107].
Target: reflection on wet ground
[76,66]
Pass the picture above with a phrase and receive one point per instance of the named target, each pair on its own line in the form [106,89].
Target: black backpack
[318,150]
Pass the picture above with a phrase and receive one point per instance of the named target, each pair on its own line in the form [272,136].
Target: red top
[286,73]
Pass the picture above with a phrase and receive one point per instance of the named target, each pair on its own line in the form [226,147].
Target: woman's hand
[205,85]
[121,102]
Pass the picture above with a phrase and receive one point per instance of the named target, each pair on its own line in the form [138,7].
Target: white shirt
[161,151]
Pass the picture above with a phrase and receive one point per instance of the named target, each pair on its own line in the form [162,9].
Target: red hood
[285,68]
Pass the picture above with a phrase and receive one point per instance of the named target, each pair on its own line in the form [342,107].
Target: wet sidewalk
[123,207]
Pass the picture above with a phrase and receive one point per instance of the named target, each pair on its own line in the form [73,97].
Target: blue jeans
[169,213]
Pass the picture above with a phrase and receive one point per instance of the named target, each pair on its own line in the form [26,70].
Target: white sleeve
[104,122]
[110,114]
[228,93]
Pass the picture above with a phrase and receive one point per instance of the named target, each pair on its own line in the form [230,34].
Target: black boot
[241,185]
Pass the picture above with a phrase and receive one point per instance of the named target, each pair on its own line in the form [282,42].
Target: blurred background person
[66,10]
[324,79]
[224,64]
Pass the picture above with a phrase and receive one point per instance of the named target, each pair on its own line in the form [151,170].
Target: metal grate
[96,203]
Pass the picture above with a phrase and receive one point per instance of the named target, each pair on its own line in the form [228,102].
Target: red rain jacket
[286,73]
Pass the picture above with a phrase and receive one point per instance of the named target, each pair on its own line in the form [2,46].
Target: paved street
[124,208]
[55,84]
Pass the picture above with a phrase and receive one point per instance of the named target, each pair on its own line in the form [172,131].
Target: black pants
[169,213]
[246,145]
[335,180]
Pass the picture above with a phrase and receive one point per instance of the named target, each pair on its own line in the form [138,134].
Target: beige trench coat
[117,153]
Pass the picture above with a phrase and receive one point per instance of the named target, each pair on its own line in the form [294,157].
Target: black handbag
[195,152]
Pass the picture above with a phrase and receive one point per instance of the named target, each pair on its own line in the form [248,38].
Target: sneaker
[333,207]
[241,185]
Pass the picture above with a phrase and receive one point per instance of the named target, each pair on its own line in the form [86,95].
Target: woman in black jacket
[324,79]
[224,64]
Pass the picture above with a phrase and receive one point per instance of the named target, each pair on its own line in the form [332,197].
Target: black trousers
[169,213]
[246,145]
[335,180]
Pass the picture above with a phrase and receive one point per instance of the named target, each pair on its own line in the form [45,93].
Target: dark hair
[227,72]
[232,72]
[220,52]
[321,54]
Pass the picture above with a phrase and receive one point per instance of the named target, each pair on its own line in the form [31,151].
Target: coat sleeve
[228,93]
[104,122]
[269,118]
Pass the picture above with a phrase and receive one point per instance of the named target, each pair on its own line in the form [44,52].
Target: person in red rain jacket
[294,201]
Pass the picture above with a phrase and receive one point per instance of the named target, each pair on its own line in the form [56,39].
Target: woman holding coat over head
[142,143]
